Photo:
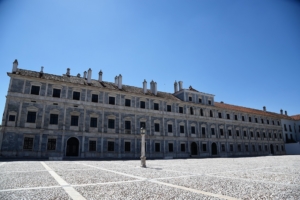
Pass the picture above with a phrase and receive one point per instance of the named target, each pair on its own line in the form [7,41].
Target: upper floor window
[229,133]
[181,129]
[111,100]
[127,125]
[93,122]
[193,130]
[262,121]
[251,134]
[243,118]
[142,104]
[56,93]
[210,113]
[53,118]
[285,129]
[127,102]
[221,132]
[209,102]
[200,100]
[170,128]
[76,95]
[237,133]
[203,130]
[156,127]
[257,134]
[143,125]
[95,98]
[31,117]
[235,117]
[212,131]
[278,123]
[169,108]
[74,120]
[191,110]
[35,90]
[290,128]
[220,115]
[273,122]
[201,111]
[250,119]
[11,118]
[245,134]
[268,122]
[156,106]
[256,120]
[111,123]
[190,99]
[228,116]
[180,109]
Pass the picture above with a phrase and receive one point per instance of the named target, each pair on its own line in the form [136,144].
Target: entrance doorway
[72,147]
[194,149]
[272,149]
[214,149]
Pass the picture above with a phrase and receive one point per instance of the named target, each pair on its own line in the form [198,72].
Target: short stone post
[143,157]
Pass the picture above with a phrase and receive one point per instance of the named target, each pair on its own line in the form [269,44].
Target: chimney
[281,111]
[84,74]
[78,75]
[15,66]
[180,85]
[116,80]
[145,86]
[264,108]
[42,69]
[89,78]
[100,76]
[152,86]
[68,72]
[120,81]
[175,87]
[285,112]
[155,88]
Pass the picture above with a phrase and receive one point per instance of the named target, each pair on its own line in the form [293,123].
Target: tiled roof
[94,83]
[251,111]
[296,117]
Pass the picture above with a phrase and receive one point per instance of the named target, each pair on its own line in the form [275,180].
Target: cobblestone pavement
[271,177]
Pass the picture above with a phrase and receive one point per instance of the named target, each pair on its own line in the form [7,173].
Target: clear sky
[247,53]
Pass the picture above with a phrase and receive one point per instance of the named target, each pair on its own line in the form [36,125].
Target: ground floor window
[92,145]
[110,146]
[170,147]
[28,143]
[246,148]
[223,147]
[239,148]
[203,147]
[157,147]
[127,146]
[182,147]
[231,147]
[51,144]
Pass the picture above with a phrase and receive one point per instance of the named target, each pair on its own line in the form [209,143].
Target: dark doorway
[194,149]
[72,147]
[272,149]
[214,149]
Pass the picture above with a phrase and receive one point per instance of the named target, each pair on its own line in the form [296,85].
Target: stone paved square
[270,177]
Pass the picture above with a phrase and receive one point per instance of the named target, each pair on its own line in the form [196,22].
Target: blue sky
[246,53]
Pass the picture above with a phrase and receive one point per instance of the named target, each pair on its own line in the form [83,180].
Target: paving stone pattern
[271,177]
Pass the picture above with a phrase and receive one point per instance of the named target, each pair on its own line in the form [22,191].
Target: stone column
[143,157]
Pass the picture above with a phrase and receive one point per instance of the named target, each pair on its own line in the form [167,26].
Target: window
[180,109]
[93,122]
[264,134]
[203,130]
[251,134]
[275,136]
[278,123]
[56,93]
[220,115]
[277,149]
[270,136]
[212,131]
[243,118]
[95,98]
[246,148]
[157,147]
[143,125]
[190,99]
[127,146]
[203,147]
[237,133]
[209,102]
[280,136]
[156,106]
[200,100]
[223,147]
[35,90]
[193,130]
[228,116]
[76,95]
[239,148]
[53,118]
[74,120]
[245,133]
[253,148]
[266,147]
[221,132]
[92,145]
[28,143]
[170,128]
[127,125]
[235,117]
[201,112]
[262,121]
[250,119]
[282,148]
[210,113]
[229,133]
[182,147]
[231,147]
[127,102]
[169,108]
[156,127]
[31,116]
[259,147]
[273,122]
[170,147]
[256,120]
[257,134]
[111,123]
[290,128]
[111,100]
[11,118]
[51,145]
[142,104]
[110,146]
[181,129]
[191,111]
[268,122]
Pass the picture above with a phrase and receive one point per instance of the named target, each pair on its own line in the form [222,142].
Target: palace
[49,115]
